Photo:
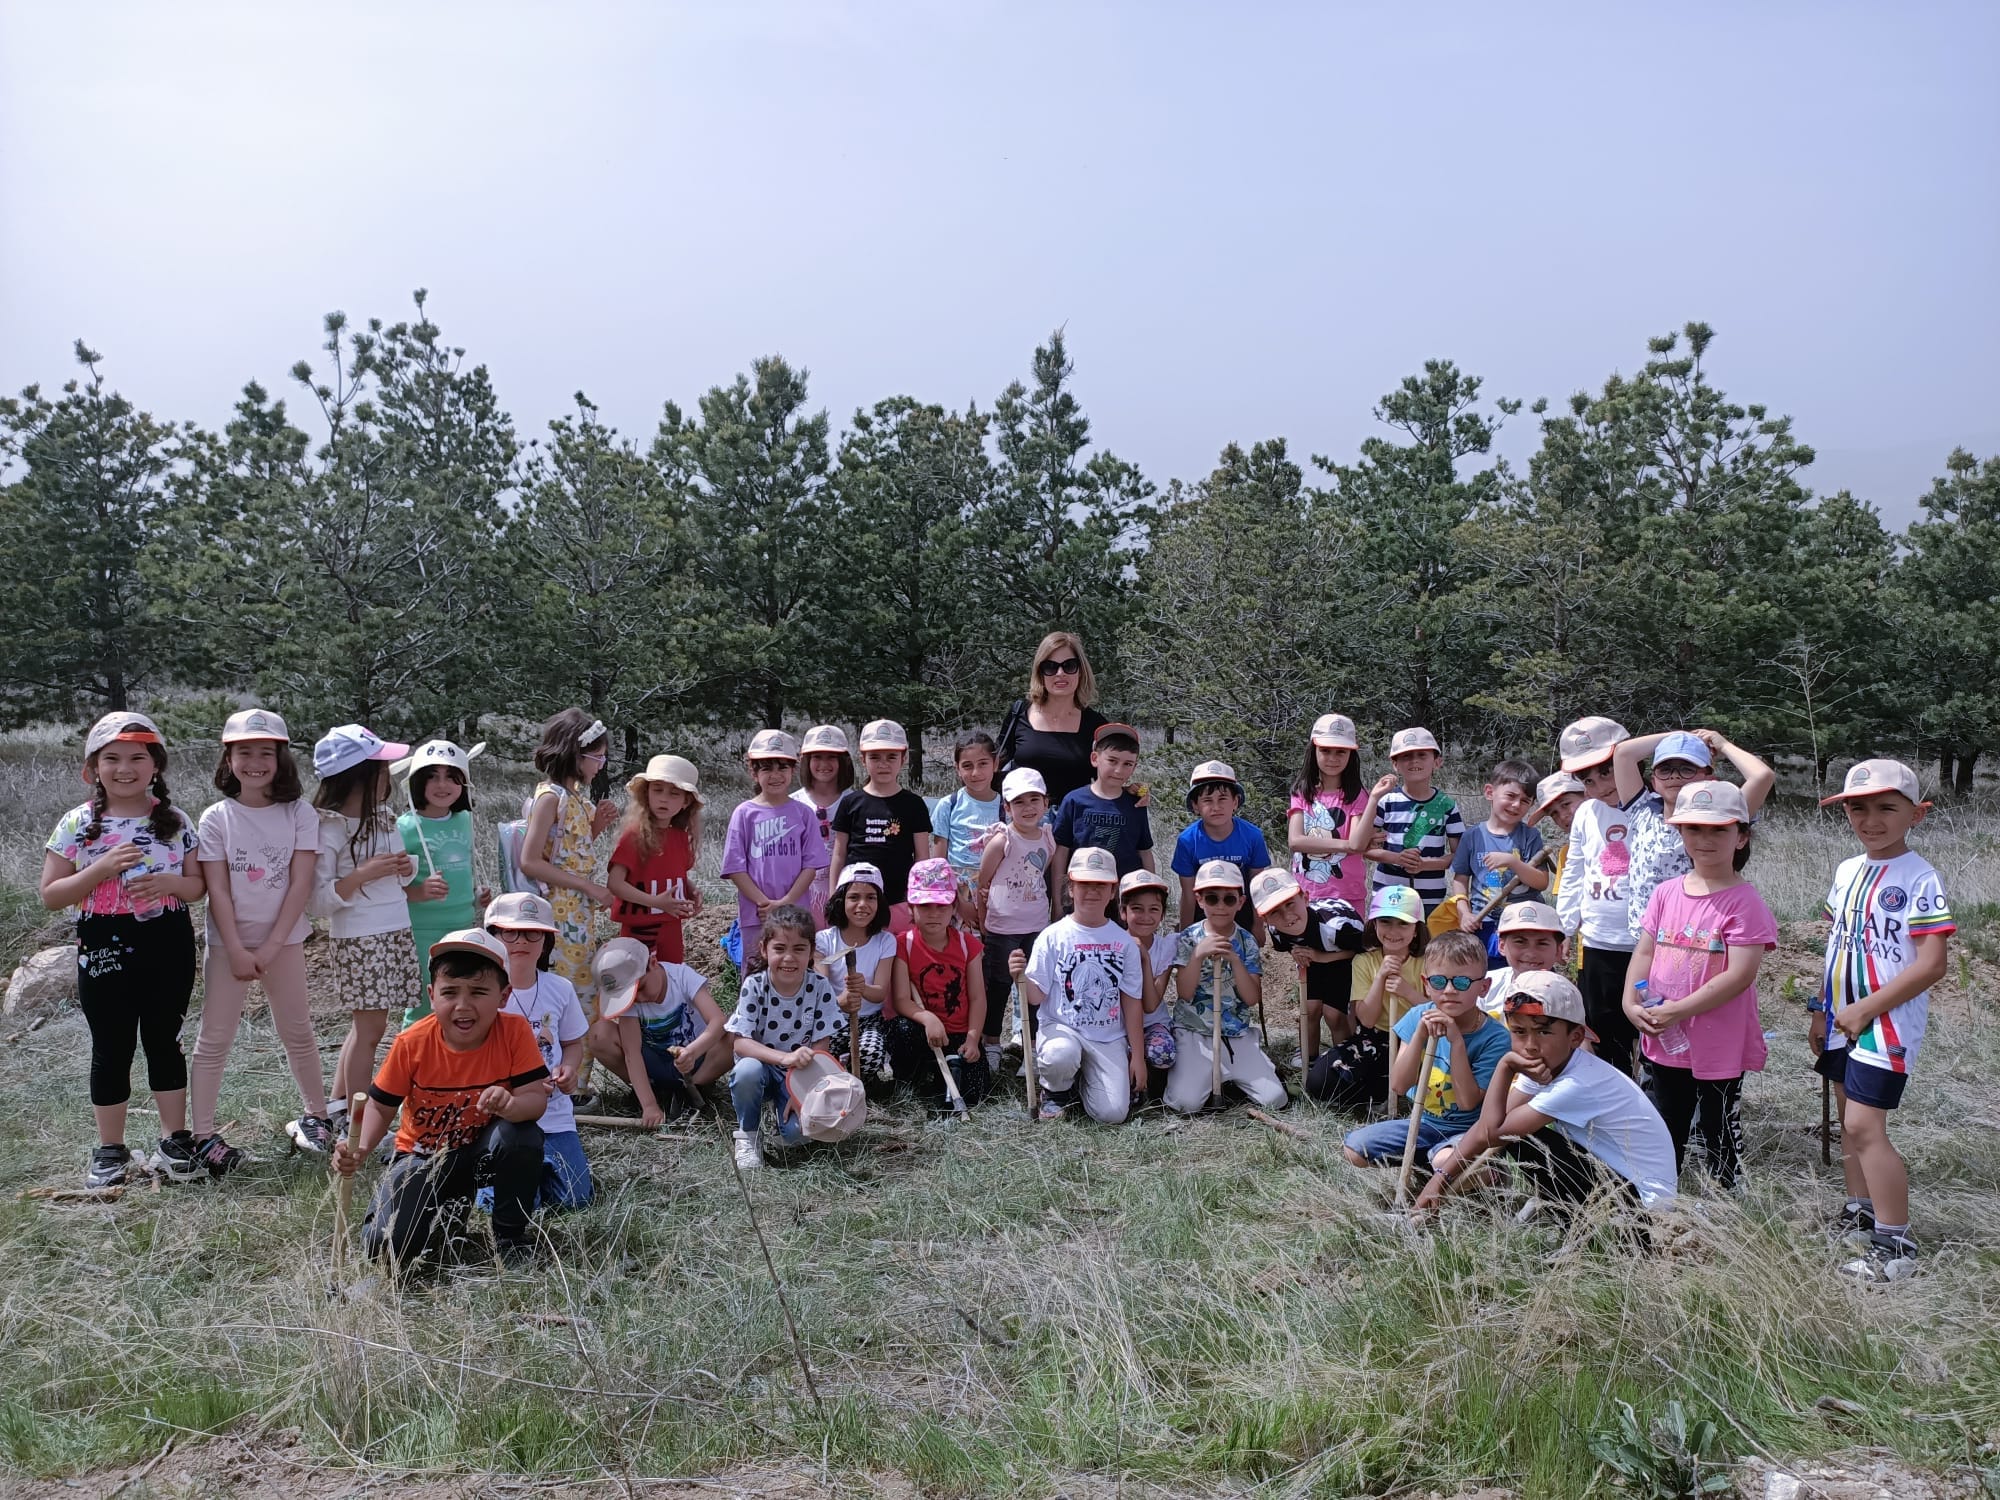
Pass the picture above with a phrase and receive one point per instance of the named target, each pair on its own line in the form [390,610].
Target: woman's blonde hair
[1086,682]
[639,820]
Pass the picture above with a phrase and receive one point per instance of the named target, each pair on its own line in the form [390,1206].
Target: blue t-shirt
[958,820]
[1485,884]
[1088,821]
[1244,848]
[1484,1046]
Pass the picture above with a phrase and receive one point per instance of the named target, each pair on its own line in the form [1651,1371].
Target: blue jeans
[565,1181]
[1383,1141]
[750,1084]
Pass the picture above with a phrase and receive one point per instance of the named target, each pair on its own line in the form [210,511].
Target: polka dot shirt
[785,1022]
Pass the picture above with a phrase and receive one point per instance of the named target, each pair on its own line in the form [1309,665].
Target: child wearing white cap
[1531,941]
[1331,819]
[1417,827]
[1596,876]
[1083,981]
[857,926]
[1887,947]
[652,865]
[1322,937]
[437,834]
[881,821]
[1014,895]
[525,925]
[1214,796]
[826,771]
[772,851]
[259,853]
[660,1029]
[1142,908]
[1678,759]
[1216,966]
[1557,797]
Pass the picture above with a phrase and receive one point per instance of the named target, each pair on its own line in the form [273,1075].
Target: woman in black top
[1050,730]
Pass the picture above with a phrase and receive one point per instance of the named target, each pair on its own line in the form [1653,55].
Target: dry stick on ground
[1416,1119]
[1308,1042]
[343,1200]
[785,1307]
[1279,1125]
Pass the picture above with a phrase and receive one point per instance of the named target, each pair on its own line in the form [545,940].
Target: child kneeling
[461,1129]
[658,1028]
[1082,984]
[940,993]
[785,1020]
[1236,984]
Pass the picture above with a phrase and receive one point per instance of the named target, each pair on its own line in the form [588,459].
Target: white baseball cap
[618,967]
[1868,777]
[1552,787]
[1544,993]
[884,734]
[772,744]
[133,728]
[348,745]
[1022,781]
[1335,731]
[1134,881]
[1407,740]
[831,1102]
[1218,875]
[1589,741]
[1529,916]
[523,911]
[253,724]
[1094,864]
[1271,888]
[860,873]
[827,739]
[1710,803]
[469,940]
[1212,773]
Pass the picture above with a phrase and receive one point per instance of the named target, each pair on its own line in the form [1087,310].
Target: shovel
[958,1109]
[1215,1037]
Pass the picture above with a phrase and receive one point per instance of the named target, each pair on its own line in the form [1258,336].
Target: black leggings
[1602,981]
[999,947]
[1353,1074]
[1678,1095]
[423,1199]
[134,980]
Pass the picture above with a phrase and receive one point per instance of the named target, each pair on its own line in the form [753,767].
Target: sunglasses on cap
[1053,668]
[1221,898]
[1443,982]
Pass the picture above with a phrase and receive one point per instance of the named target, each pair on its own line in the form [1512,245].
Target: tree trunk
[1962,781]
[631,747]
[1944,760]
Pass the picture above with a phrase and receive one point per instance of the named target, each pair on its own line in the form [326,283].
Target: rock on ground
[45,982]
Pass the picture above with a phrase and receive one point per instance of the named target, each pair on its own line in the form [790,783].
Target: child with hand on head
[1083,982]
[962,822]
[1504,849]
[652,867]
[1465,1046]
[259,853]
[1322,937]
[1014,895]
[1531,942]
[1108,814]
[1567,1117]
[772,850]
[1387,980]
[1331,821]
[1216,968]
[437,834]
[857,924]
[1557,797]
[1678,759]
[525,925]
[363,869]
[127,861]
[940,991]
[826,771]
[786,1016]
[1891,926]
[881,821]
[559,845]
[1417,828]
[1214,795]
[660,1031]
[1596,871]
[1142,907]
[472,1087]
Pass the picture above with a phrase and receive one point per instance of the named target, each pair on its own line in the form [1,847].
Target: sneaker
[217,1156]
[516,1255]
[109,1166]
[1013,1048]
[1888,1258]
[749,1150]
[993,1056]
[312,1133]
[591,1103]
[1854,1223]
[1053,1107]
[176,1159]
[339,1118]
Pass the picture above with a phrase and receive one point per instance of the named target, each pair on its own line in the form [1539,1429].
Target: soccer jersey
[1428,827]
[1879,908]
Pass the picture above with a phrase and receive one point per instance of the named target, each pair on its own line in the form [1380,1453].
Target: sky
[1251,221]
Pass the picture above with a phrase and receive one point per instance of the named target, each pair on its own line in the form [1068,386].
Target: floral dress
[573,847]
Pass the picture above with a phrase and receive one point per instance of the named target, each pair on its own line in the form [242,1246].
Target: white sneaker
[749,1150]
[992,1051]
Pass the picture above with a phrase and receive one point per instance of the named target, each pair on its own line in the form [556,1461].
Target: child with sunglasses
[1216,964]
[1469,1047]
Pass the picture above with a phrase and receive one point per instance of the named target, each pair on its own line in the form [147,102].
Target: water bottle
[1674,1040]
[144,908]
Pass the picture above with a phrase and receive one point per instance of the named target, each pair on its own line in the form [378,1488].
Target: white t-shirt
[1605,1113]
[1879,908]
[1086,975]
[380,905]
[828,941]
[683,984]
[555,1015]
[1163,951]
[256,844]
[1594,884]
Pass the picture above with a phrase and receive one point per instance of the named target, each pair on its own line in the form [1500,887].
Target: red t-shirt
[937,980]
[439,1086]
[665,872]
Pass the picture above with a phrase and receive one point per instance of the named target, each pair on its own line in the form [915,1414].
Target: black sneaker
[516,1255]
[176,1159]
[1856,1222]
[217,1156]
[1889,1257]
[588,1103]
[339,1119]
[312,1133]
[109,1166]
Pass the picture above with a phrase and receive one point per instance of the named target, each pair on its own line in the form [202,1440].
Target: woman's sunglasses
[1443,982]
[1064,668]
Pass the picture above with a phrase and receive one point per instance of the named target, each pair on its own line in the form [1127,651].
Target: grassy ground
[1198,1307]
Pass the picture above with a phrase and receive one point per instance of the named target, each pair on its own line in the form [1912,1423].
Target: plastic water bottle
[1674,1040]
[144,908]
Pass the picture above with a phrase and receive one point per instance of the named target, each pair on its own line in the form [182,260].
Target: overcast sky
[1252,220]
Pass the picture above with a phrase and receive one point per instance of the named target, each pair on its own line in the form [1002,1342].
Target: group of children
[882,939]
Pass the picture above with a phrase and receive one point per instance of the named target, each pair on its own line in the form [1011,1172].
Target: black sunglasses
[1052,667]
[1220,898]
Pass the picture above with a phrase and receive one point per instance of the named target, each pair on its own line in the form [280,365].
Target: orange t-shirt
[439,1087]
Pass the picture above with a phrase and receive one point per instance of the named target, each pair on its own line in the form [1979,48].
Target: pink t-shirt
[256,845]
[1692,936]
[1343,877]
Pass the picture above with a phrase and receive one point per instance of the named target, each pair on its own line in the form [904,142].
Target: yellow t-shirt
[1366,967]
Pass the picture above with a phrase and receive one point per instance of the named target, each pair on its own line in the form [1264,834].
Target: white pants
[1060,1052]
[1243,1064]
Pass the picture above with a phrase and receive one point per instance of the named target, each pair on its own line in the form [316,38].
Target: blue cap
[1682,746]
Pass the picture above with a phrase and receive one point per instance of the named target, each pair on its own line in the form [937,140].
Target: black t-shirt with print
[883,832]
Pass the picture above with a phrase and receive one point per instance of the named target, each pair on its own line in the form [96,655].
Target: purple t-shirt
[771,845]
[1692,936]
